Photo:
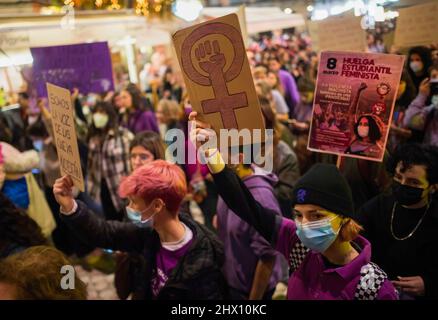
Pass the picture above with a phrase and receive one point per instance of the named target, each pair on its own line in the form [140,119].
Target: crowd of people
[358,230]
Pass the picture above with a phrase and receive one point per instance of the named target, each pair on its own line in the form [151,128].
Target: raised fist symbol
[209,56]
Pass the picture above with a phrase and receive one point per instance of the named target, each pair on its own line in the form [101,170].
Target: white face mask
[363,131]
[100,120]
[435,101]
[416,66]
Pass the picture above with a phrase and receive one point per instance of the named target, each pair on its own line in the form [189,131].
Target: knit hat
[324,186]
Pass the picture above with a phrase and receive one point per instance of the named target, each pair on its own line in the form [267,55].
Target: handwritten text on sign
[65,133]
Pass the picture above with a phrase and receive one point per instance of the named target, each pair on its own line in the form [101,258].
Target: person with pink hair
[182,259]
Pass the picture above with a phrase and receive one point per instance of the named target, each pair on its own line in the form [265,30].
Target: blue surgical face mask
[38,145]
[317,235]
[135,217]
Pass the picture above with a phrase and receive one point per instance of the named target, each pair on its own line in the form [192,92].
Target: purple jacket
[141,121]
[243,246]
[291,93]
[423,118]
[311,279]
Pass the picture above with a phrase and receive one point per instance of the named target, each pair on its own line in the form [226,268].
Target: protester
[17,120]
[21,187]
[401,225]
[146,147]
[37,274]
[291,93]
[420,60]
[321,243]
[183,258]
[138,111]
[17,230]
[169,115]
[108,159]
[421,116]
[285,163]
[252,267]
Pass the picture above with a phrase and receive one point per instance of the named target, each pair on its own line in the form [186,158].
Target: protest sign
[65,134]
[217,75]
[343,33]
[85,66]
[354,100]
[417,25]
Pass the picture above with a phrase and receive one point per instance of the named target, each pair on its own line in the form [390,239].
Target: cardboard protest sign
[241,15]
[354,100]
[343,33]
[417,25]
[64,130]
[86,66]
[217,75]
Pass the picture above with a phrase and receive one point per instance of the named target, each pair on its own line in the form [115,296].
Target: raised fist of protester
[63,191]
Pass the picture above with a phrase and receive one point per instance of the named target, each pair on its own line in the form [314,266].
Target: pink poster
[354,100]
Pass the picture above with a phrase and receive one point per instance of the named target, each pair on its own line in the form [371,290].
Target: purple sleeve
[294,93]
[261,247]
[148,121]
[387,291]
[416,108]
[291,88]
[286,236]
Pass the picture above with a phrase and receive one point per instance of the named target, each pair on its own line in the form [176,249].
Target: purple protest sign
[86,66]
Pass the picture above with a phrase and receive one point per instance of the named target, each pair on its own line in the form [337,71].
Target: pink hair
[158,179]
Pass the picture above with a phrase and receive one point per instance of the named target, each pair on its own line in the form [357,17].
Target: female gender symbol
[212,61]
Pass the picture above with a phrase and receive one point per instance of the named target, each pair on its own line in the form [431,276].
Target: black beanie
[324,186]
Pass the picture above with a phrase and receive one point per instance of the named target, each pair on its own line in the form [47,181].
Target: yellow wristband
[215,162]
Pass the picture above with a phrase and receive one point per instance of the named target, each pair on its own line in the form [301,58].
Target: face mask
[363,131]
[135,217]
[318,235]
[100,120]
[406,195]
[416,66]
[435,101]
[38,145]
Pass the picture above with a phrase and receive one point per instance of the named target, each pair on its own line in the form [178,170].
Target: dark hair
[433,67]
[425,55]
[23,95]
[16,227]
[275,58]
[113,122]
[410,92]
[37,129]
[411,154]
[374,132]
[151,141]
[138,101]
[268,114]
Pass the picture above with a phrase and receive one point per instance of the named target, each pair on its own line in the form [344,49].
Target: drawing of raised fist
[209,56]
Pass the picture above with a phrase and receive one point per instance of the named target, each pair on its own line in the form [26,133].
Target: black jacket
[197,275]
[415,256]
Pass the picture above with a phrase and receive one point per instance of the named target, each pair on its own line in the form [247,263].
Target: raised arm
[94,230]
